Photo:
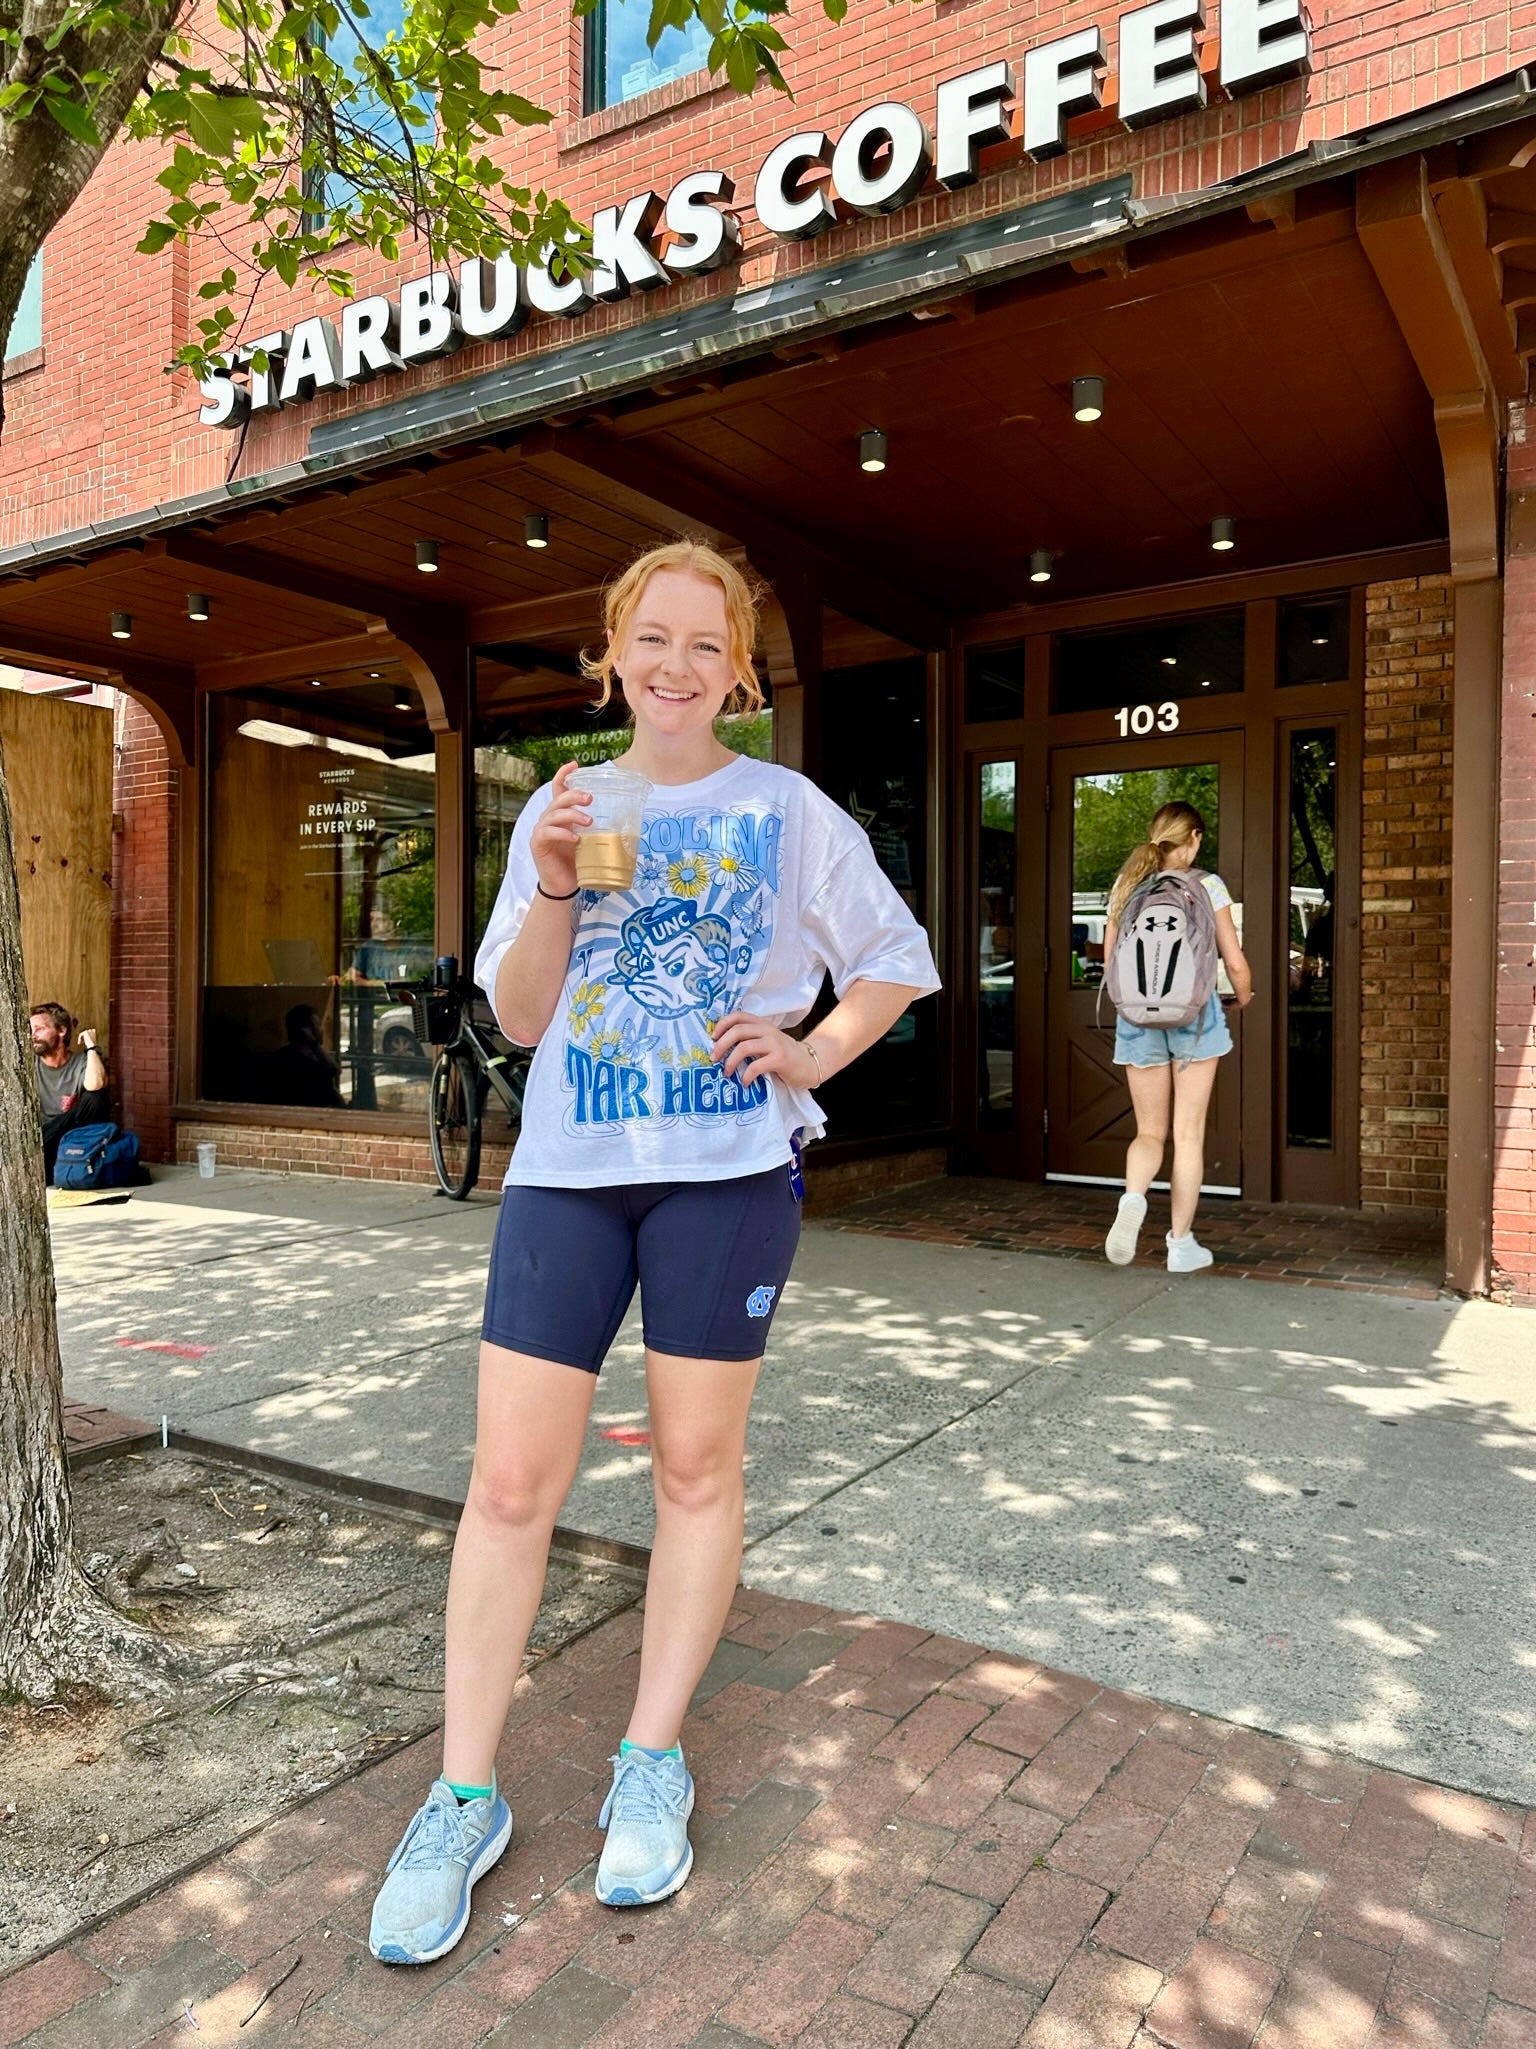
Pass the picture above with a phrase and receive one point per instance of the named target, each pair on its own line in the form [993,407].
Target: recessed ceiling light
[315,683]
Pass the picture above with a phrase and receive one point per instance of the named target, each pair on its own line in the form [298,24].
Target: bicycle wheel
[454,1121]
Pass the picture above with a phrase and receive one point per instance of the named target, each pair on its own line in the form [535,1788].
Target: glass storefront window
[27,328]
[1153,664]
[320,889]
[1110,815]
[1310,979]
[621,65]
[1313,637]
[994,684]
[875,764]
[996,876]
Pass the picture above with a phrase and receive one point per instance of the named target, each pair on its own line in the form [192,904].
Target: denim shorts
[710,1259]
[1150,1046]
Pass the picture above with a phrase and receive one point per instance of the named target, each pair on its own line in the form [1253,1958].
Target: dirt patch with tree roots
[307,1633]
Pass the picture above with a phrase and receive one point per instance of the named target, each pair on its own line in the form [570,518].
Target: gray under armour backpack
[1163,969]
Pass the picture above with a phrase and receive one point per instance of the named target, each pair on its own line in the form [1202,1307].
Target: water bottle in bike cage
[445,970]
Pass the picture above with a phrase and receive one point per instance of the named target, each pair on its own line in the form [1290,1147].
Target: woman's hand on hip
[553,844]
[748,1047]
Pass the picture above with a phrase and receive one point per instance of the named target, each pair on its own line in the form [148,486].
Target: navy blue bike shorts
[710,1259]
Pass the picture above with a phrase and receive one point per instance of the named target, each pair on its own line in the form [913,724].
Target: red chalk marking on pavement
[627,1435]
[163,1345]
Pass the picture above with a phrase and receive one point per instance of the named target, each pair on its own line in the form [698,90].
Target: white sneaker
[1185,1256]
[1120,1245]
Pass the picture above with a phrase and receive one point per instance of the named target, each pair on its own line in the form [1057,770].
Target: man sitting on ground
[71,1085]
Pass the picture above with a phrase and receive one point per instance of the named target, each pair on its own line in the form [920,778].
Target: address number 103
[1147,718]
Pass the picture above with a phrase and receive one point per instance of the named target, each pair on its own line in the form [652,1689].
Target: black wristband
[552,898]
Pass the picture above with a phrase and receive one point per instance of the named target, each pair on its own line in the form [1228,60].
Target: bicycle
[466,1065]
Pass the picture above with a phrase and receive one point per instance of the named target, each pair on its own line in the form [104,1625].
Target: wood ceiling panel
[1281,394]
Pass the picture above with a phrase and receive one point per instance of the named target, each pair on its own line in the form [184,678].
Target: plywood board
[57,757]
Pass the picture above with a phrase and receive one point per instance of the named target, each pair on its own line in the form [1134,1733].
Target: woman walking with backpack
[1167,922]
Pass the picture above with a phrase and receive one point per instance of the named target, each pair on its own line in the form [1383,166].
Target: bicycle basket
[434,1015]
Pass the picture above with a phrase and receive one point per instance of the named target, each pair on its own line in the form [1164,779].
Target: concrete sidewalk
[900,1839]
[1309,1512]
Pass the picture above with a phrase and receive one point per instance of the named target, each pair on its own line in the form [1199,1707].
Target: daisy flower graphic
[737,875]
[587,1005]
[689,876]
[604,1045]
[698,1056]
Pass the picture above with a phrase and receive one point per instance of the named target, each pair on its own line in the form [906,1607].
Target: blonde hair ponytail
[1175,825]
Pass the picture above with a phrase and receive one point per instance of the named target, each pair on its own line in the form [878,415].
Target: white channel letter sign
[880,162]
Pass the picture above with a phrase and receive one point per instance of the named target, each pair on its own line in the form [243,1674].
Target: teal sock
[464,1794]
[625,1747]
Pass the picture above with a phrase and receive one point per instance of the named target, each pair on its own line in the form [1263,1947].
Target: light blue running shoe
[423,1905]
[647,1855]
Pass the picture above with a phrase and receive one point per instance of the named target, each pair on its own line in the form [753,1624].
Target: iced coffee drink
[606,860]
[609,847]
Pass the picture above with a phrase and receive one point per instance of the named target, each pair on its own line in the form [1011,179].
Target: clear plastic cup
[207,1155]
[609,847]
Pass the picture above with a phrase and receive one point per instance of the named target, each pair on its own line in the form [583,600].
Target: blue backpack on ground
[96,1156]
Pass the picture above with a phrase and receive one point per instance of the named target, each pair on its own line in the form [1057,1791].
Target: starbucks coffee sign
[879,163]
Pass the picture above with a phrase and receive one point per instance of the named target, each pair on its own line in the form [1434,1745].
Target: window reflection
[1313,639]
[622,65]
[874,763]
[997,869]
[321,888]
[1310,991]
[1156,664]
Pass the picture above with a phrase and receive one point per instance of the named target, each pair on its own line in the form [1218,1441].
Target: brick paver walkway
[901,1839]
[1396,1253]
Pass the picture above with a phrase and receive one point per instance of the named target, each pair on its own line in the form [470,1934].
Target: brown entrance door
[1102,799]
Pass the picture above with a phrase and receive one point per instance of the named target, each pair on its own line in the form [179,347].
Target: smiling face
[675,659]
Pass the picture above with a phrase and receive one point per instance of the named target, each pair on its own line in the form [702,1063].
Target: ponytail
[1141,862]
[1174,825]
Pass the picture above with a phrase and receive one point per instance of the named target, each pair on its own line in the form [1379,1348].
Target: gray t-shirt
[59,1086]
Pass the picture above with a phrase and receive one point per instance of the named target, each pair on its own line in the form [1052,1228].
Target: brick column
[1514,1137]
[1405,940]
[144,803]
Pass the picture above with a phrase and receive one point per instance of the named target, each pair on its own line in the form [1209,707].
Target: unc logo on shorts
[760,1301]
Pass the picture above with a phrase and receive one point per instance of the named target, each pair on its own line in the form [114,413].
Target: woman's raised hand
[554,837]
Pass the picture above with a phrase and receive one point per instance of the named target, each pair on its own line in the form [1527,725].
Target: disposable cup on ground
[609,847]
[207,1155]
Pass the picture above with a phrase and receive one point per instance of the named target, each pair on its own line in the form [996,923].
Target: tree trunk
[53,1627]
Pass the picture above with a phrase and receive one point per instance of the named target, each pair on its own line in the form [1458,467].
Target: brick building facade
[1309,305]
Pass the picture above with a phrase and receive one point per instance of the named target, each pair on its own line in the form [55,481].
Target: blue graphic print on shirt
[657,966]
